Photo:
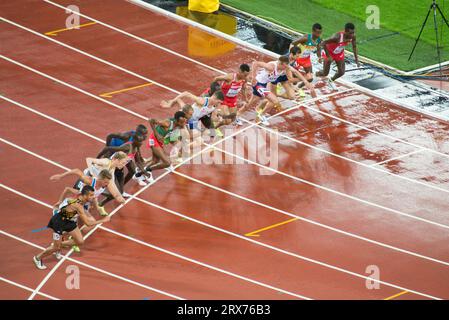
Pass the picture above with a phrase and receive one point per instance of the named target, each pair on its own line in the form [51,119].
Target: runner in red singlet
[334,49]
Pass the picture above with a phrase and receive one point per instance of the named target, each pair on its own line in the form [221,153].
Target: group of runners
[223,103]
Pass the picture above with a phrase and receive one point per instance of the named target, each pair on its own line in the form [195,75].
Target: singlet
[64,213]
[97,191]
[264,76]
[339,47]
[116,142]
[94,170]
[309,47]
[201,111]
[232,89]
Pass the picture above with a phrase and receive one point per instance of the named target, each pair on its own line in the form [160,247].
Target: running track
[360,182]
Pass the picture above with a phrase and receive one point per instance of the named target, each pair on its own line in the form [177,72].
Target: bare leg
[341,67]
[326,69]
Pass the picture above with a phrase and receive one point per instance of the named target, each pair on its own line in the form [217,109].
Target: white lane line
[241,236]
[89,55]
[21,286]
[208,266]
[177,92]
[275,56]
[54,163]
[135,37]
[143,117]
[73,87]
[336,192]
[90,266]
[370,166]
[400,157]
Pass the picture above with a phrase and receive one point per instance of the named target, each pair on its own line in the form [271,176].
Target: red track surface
[350,215]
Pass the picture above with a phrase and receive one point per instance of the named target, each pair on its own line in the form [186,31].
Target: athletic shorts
[336,57]
[230,102]
[304,62]
[59,226]
[261,90]
[206,121]
[153,142]
[281,79]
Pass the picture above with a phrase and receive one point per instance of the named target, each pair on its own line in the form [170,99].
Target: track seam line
[113,275]
[21,286]
[227,232]
[157,10]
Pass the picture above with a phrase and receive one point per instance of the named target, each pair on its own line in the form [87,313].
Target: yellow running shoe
[219,133]
[76,249]
[102,211]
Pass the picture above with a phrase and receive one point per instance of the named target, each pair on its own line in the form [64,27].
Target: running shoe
[331,84]
[126,195]
[149,179]
[102,211]
[39,264]
[238,121]
[301,93]
[264,120]
[219,133]
[76,249]
[140,180]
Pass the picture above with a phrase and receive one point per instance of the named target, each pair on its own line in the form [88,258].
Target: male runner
[334,50]
[309,44]
[65,221]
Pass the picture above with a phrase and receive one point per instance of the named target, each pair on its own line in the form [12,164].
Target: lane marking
[399,157]
[89,55]
[165,250]
[256,232]
[21,286]
[91,267]
[239,236]
[397,295]
[370,166]
[73,87]
[335,191]
[260,204]
[110,94]
[55,32]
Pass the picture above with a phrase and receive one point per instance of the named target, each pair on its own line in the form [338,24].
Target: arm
[334,39]
[225,77]
[111,150]
[303,79]
[115,192]
[75,172]
[89,220]
[303,39]
[64,195]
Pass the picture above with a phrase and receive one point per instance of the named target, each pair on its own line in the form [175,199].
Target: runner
[164,132]
[202,109]
[65,221]
[309,44]
[286,83]
[117,139]
[99,184]
[334,50]
[132,149]
[266,73]
[232,85]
